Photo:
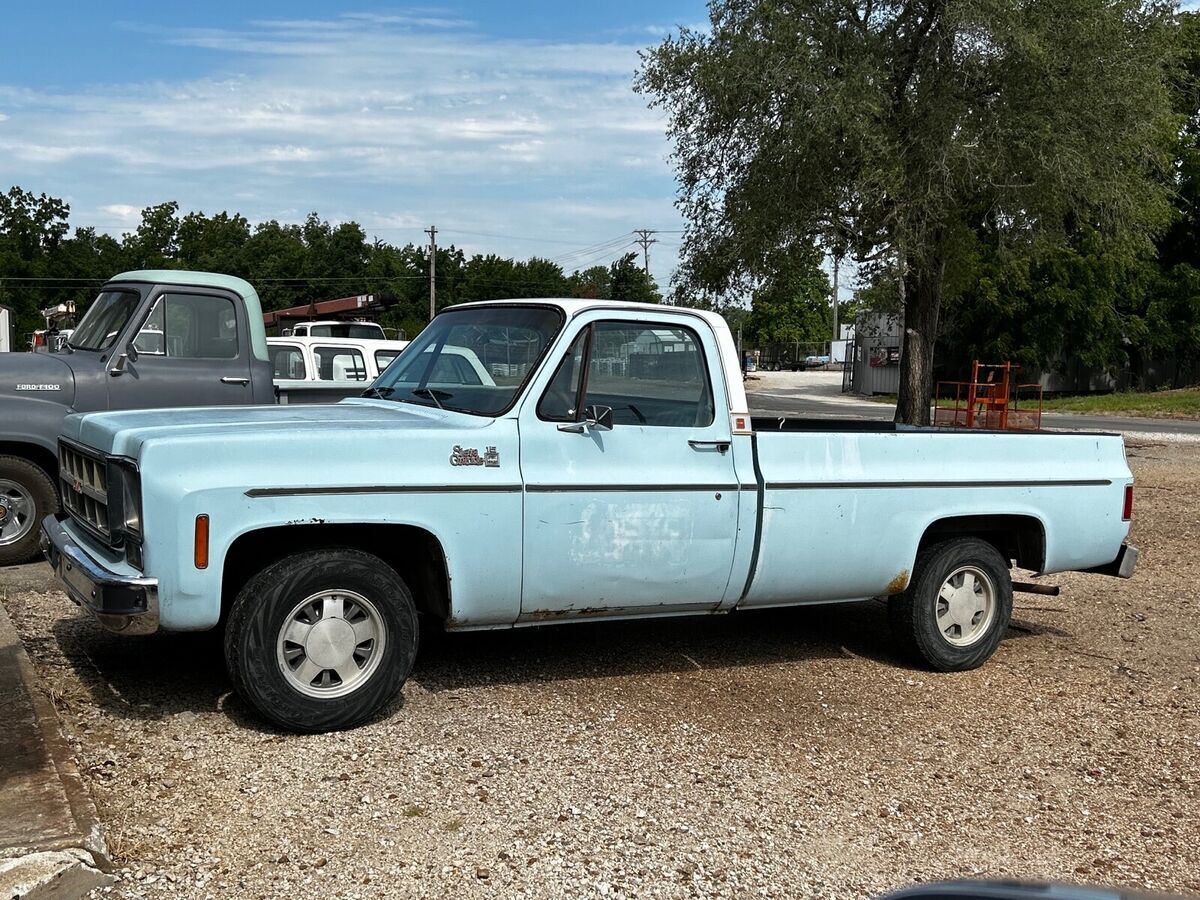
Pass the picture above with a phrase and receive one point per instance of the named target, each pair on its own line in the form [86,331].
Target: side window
[287,361]
[339,364]
[558,404]
[383,358]
[649,375]
[190,326]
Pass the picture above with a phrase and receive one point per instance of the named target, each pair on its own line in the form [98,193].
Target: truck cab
[149,339]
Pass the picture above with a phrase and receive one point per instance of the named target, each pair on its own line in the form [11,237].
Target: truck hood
[41,376]
[126,433]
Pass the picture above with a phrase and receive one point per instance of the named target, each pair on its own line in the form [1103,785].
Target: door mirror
[598,417]
[131,351]
[119,366]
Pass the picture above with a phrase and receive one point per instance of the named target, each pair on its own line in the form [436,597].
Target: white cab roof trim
[571,307]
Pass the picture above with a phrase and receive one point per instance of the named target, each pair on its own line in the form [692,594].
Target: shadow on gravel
[161,675]
[146,677]
[615,649]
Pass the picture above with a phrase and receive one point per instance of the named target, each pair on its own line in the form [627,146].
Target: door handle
[233,379]
[721,447]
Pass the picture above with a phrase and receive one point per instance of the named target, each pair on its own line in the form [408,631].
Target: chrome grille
[84,487]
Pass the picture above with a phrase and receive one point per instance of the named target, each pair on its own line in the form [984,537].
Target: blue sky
[512,119]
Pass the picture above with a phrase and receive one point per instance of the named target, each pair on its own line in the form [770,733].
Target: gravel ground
[772,754]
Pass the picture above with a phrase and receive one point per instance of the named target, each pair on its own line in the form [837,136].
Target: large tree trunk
[922,303]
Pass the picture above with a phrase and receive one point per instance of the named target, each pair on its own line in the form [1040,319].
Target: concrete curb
[51,842]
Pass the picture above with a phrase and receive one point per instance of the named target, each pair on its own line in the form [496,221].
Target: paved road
[824,400]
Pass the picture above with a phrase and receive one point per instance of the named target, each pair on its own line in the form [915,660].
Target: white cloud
[405,118]
[123,211]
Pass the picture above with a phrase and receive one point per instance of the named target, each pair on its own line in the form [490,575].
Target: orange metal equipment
[990,400]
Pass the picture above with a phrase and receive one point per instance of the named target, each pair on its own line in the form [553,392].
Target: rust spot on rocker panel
[897,584]
[570,611]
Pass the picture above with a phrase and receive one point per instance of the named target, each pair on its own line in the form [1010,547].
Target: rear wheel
[321,641]
[27,495]
[957,606]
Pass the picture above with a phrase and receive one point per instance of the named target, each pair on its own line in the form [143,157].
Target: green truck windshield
[104,320]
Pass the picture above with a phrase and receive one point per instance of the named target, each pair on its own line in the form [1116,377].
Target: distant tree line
[42,262]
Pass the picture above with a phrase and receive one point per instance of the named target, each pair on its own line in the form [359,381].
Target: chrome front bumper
[122,603]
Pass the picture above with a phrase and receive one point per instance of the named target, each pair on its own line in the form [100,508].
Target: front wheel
[27,496]
[321,641]
[957,605]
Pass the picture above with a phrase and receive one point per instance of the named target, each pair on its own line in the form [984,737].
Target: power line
[513,237]
[607,255]
[586,251]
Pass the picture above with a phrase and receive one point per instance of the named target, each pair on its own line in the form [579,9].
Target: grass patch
[411,812]
[1183,403]
[452,825]
[1179,404]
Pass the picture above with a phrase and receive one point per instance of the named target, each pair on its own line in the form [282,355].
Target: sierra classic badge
[469,456]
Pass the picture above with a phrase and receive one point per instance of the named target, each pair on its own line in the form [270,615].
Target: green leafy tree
[33,229]
[213,243]
[594,283]
[793,305]
[905,128]
[629,281]
[154,245]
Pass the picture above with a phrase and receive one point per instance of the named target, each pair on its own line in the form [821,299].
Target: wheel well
[35,453]
[1020,538]
[414,553]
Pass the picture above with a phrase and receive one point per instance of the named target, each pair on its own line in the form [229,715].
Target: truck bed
[868,492]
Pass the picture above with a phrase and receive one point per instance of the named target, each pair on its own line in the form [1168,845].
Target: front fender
[482,550]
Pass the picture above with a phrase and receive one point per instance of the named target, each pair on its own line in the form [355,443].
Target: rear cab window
[287,361]
[339,364]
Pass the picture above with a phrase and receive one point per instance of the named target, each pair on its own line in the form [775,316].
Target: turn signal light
[201,542]
[1127,509]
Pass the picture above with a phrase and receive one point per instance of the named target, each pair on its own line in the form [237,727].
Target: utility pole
[645,240]
[837,264]
[432,232]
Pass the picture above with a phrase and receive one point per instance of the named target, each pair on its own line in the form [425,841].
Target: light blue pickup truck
[604,466]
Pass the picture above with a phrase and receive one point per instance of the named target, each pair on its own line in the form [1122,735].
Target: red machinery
[990,400]
[347,308]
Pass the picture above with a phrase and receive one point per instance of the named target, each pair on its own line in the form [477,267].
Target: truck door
[642,517]
[192,349]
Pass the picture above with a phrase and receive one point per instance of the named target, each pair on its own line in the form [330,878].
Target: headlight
[131,501]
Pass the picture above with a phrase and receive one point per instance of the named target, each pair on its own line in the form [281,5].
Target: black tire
[913,614]
[36,489]
[265,606]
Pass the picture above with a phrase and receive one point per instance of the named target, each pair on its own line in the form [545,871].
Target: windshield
[104,320]
[363,330]
[472,360]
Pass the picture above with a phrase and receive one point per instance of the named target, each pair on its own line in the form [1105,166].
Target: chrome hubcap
[331,643]
[16,512]
[966,606]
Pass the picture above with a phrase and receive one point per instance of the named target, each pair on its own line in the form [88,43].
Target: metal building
[874,366]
